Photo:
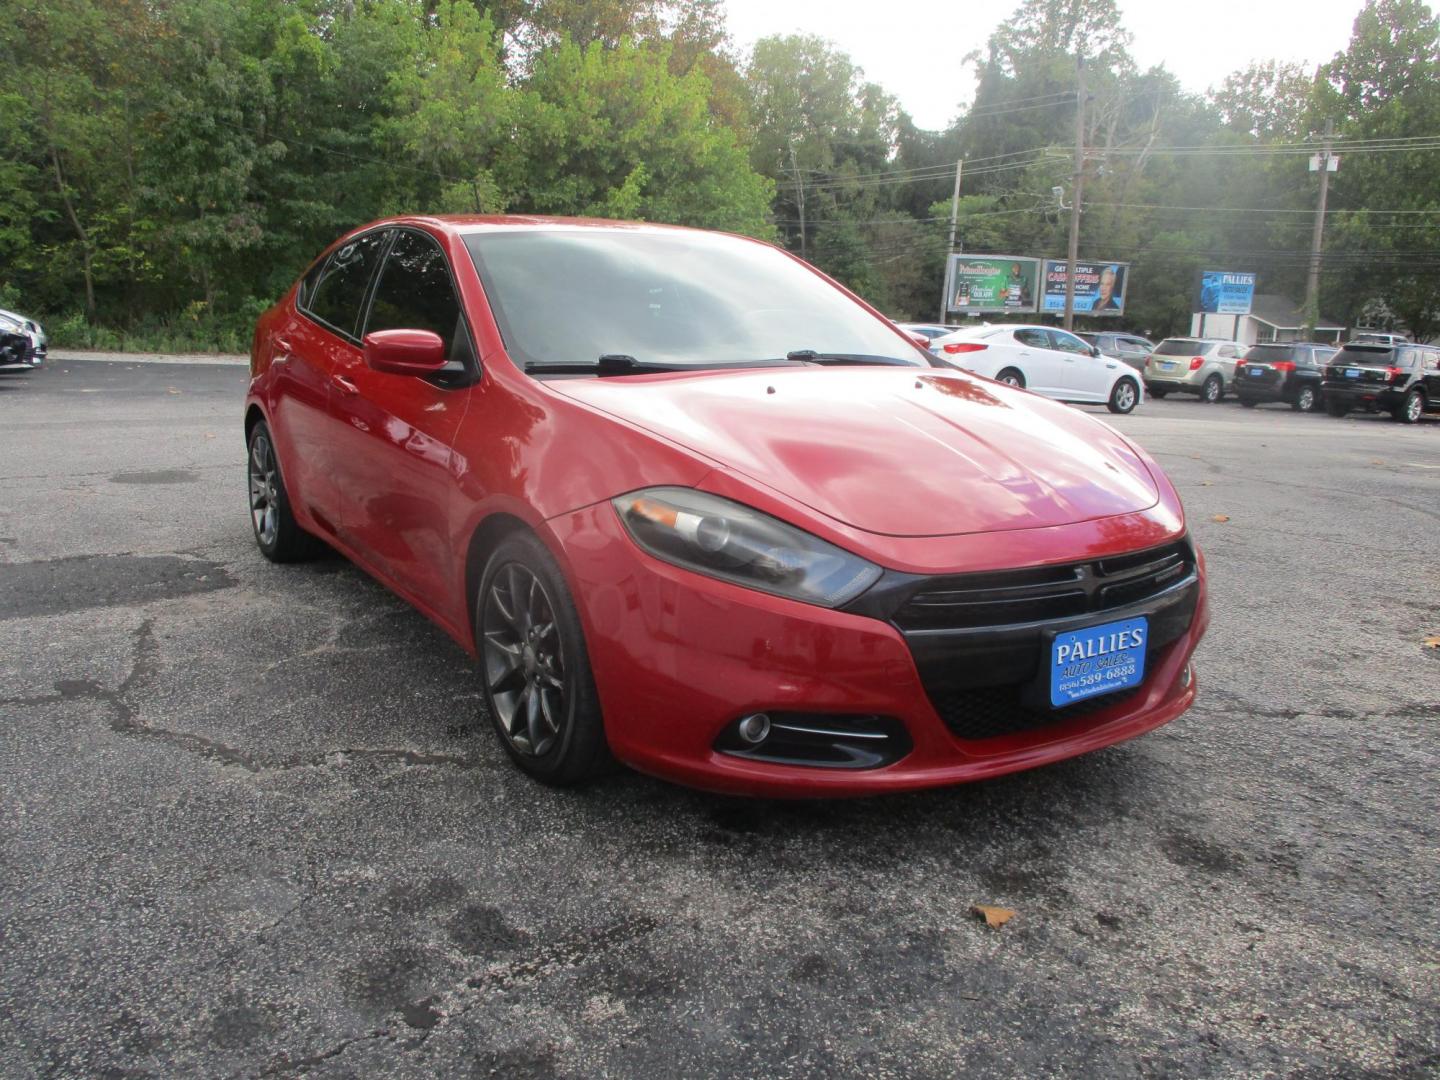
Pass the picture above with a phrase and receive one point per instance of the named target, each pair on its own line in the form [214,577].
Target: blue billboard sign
[1099,287]
[1226,292]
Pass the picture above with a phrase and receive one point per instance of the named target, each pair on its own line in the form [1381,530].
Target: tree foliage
[180,162]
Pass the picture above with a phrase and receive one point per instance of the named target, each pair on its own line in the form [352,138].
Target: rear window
[1182,347]
[1272,354]
[1373,355]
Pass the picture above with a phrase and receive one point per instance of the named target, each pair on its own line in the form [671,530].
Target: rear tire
[1213,390]
[538,686]
[278,536]
[1011,377]
[1336,409]
[1124,396]
[1157,392]
[1307,399]
[1411,409]
[1248,403]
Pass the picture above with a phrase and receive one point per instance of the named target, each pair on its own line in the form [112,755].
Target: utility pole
[1324,163]
[1075,194]
[800,198]
[950,247]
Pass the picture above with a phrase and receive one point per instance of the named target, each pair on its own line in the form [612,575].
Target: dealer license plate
[1097,660]
[1167,365]
[1258,371]
[1352,373]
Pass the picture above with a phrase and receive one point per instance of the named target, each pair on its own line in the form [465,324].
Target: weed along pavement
[253,823]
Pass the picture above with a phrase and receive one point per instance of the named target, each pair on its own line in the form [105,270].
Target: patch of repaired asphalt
[57,586]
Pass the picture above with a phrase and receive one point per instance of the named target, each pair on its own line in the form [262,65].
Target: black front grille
[991,711]
[981,641]
[1044,593]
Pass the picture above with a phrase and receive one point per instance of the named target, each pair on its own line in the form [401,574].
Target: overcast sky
[913,48]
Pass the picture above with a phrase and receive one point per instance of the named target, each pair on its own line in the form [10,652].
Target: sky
[914,48]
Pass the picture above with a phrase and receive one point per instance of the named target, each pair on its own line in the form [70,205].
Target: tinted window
[1069,342]
[1181,347]
[415,293]
[567,295]
[1365,354]
[339,292]
[307,284]
[1035,338]
[1270,354]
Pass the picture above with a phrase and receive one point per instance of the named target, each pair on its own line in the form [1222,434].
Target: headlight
[726,540]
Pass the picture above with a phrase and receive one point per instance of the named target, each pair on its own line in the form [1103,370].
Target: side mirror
[1094,350]
[921,340]
[404,352]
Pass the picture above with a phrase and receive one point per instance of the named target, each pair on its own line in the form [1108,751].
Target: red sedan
[696,507]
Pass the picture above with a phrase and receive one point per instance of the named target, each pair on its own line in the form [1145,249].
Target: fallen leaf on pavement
[171,390]
[1221,517]
[1433,641]
[1206,483]
[995,917]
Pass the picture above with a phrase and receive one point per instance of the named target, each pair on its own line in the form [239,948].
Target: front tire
[538,686]
[1011,377]
[1411,409]
[1213,391]
[1124,396]
[1336,409]
[277,534]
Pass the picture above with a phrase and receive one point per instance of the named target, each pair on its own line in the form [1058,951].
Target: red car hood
[901,453]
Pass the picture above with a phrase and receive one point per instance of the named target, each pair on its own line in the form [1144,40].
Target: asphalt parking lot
[253,824]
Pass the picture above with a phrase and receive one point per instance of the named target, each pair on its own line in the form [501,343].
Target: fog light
[755,728]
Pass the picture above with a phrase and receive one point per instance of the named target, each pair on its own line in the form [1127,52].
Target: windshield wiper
[810,356]
[621,364]
[609,364]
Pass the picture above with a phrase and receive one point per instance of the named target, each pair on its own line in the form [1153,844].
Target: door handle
[283,345]
[344,385]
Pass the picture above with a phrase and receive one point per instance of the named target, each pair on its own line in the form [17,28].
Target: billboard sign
[1226,292]
[1099,287]
[991,283]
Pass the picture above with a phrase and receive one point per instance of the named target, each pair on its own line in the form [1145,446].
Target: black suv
[1288,371]
[1403,380]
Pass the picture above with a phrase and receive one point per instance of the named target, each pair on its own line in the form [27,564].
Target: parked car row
[1376,372]
[23,345]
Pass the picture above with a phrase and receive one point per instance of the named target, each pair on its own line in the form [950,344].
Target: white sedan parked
[1048,361]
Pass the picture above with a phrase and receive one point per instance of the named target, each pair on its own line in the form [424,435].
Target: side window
[1068,343]
[1228,351]
[415,293]
[1036,339]
[339,291]
[307,284]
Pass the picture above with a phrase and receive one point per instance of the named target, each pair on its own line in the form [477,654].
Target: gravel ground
[252,822]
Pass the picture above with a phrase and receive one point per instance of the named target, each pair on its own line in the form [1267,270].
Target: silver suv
[1203,366]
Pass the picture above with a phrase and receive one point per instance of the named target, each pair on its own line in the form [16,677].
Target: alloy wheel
[264,485]
[1212,389]
[1414,406]
[1125,396]
[1306,401]
[524,660]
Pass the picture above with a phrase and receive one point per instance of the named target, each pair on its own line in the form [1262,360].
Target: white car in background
[1046,360]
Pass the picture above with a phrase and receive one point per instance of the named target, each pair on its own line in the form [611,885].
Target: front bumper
[678,658]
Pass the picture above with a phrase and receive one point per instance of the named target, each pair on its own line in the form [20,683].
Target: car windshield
[567,296]
[1181,347]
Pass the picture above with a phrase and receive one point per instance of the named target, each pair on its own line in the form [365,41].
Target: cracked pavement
[253,823]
